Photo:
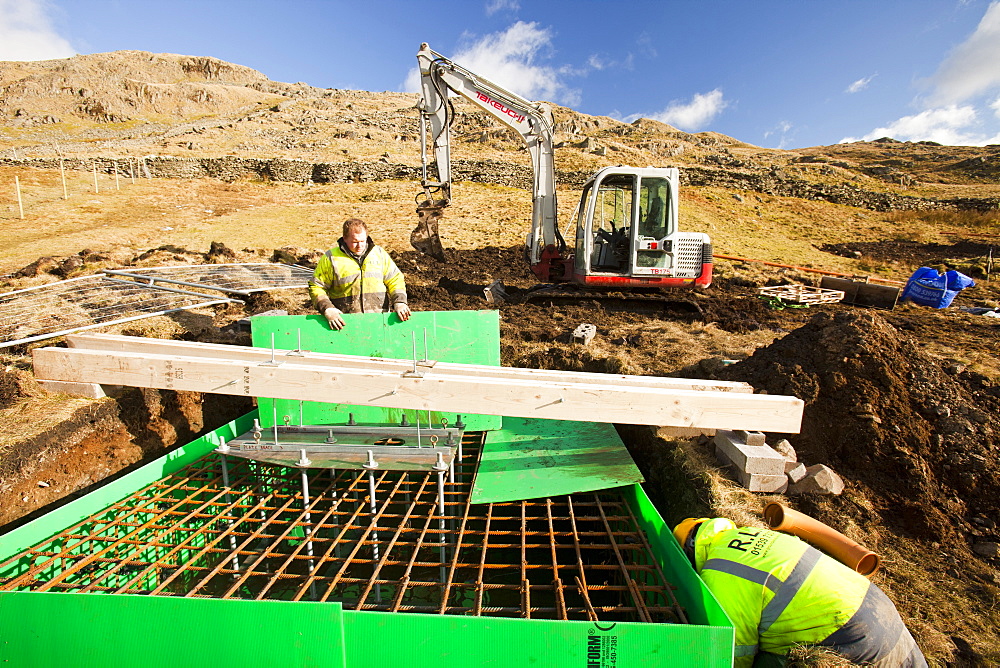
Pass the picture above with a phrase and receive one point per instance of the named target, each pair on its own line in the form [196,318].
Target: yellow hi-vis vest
[777,590]
[370,283]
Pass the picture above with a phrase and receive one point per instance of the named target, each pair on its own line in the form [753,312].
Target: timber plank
[298,378]
[112,342]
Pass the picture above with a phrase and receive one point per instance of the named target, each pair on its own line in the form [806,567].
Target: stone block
[74,389]
[786,450]
[760,459]
[795,471]
[750,437]
[759,482]
[987,549]
[685,432]
[819,479]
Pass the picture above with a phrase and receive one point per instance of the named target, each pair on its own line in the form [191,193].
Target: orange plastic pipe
[831,541]
[814,271]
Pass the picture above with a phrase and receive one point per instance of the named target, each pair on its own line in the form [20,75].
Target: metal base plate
[390,448]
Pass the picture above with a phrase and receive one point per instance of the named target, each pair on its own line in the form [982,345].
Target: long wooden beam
[302,379]
[113,342]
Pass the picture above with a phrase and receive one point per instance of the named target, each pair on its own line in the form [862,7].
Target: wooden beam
[112,342]
[302,379]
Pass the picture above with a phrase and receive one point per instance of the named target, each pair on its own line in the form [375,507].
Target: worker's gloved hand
[402,310]
[333,316]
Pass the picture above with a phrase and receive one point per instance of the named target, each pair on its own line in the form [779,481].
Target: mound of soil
[890,418]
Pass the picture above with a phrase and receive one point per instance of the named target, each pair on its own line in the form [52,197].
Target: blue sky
[780,74]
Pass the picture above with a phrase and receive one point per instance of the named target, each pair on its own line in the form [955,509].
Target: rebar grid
[232,528]
[84,303]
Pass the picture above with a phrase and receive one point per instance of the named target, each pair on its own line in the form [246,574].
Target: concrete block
[785,449]
[74,389]
[758,482]
[795,471]
[750,437]
[819,479]
[684,432]
[584,333]
[759,459]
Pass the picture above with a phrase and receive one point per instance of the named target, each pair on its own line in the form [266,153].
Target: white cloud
[596,62]
[693,115]
[644,43]
[953,125]
[510,59]
[956,111]
[782,129]
[27,34]
[971,68]
[860,84]
[494,6]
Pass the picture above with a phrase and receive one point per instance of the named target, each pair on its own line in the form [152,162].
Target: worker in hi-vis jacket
[780,592]
[357,276]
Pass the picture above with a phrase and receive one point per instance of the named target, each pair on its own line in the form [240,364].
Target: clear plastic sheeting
[122,295]
[239,279]
[84,303]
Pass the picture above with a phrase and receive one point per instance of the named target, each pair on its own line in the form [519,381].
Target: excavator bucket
[425,237]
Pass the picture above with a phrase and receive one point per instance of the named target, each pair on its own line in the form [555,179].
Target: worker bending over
[780,592]
[357,276]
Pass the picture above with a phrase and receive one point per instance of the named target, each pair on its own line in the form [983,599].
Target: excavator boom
[439,76]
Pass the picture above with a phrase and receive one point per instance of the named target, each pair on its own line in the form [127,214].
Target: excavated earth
[914,435]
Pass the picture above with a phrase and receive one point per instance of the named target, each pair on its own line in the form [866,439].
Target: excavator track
[653,302]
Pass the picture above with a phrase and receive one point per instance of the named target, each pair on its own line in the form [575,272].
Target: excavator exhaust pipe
[425,237]
[831,541]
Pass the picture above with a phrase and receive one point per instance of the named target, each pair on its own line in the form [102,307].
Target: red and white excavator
[626,223]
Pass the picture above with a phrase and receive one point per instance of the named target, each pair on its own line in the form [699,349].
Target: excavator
[626,223]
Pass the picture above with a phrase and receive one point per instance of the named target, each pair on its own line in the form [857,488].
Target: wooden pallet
[803,294]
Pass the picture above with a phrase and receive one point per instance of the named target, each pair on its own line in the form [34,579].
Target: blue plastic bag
[929,288]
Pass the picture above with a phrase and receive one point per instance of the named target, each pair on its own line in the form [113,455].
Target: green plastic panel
[466,337]
[700,604]
[532,459]
[57,629]
[84,630]
[431,641]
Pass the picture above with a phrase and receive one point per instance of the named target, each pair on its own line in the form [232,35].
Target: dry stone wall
[496,172]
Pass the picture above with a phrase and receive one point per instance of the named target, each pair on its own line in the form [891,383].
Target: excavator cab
[626,232]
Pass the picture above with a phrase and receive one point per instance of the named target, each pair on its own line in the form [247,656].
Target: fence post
[17,187]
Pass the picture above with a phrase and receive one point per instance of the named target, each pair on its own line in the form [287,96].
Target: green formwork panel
[533,458]
[94,629]
[465,337]
[39,629]
[694,597]
[377,640]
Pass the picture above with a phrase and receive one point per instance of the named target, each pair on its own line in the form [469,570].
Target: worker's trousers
[876,636]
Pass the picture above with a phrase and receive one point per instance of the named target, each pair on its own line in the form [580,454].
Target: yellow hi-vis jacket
[777,590]
[368,283]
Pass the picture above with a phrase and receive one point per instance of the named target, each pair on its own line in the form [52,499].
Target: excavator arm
[439,77]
